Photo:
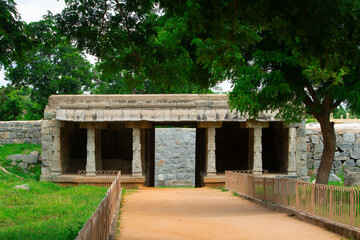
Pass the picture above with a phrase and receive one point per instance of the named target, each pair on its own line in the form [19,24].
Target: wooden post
[297,195]
[313,199]
[331,207]
[352,209]
[264,188]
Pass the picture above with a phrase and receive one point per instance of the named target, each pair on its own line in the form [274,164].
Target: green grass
[46,211]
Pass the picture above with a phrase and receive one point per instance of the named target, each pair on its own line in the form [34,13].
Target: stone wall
[175,156]
[347,153]
[20,132]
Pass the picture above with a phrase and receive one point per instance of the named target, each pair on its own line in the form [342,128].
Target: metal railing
[338,204]
[98,225]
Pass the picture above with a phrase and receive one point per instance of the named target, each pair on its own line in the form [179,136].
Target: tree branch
[103,18]
[335,104]
[127,30]
[313,93]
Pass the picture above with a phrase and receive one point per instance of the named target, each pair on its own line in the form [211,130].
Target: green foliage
[52,66]
[46,211]
[17,105]
[12,40]
[137,44]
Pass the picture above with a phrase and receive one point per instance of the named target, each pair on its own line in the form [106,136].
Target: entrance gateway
[93,135]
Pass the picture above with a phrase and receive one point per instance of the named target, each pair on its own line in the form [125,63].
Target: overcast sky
[33,10]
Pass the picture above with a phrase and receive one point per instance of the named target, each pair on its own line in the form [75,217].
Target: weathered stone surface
[315,139]
[310,163]
[349,163]
[318,148]
[355,155]
[337,164]
[20,132]
[175,156]
[334,178]
[358,163]
[349,137]
[344,146]
[316,164]
[351,179]
[23,165]
[26,158]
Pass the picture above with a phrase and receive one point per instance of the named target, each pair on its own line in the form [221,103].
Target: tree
[132,40]
[12,38]
[52,66]
[17,105]
[290,56]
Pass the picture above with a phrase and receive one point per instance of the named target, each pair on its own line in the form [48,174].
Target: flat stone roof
[145,107]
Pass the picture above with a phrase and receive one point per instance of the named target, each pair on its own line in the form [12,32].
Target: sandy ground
[204,213]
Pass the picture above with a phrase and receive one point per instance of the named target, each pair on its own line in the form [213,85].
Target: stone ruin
[93,134]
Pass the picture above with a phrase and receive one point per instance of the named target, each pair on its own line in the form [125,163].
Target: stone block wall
[347,151]
[175,156]
[20,132]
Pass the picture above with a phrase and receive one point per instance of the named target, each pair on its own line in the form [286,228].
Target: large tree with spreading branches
[294,57]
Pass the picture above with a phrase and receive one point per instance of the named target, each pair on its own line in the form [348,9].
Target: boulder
[23,165]
[351,179]
[35,153]
[337,164]
[350,163]
[316,164]
[349,137]
[26,158]
[358,163]
[334,178]
[355,155]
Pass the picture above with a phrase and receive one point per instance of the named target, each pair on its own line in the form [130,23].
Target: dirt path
[204,213]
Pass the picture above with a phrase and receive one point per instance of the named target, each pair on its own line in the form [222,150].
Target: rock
[26,158]
[318,148]
[337,154]
[358,163]
[23,165]
[345,154]
[23,186]
[354,169]
[351,179]
[315,139]
[334,178]
[34,153]
[350,163]
[309,163]
[308,155]
[338,171]
[316,164]
[317,156]
[349,137]
[355,155]
[14,163]
[337,164]
[344,147]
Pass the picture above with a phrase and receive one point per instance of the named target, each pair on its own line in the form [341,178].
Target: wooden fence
[98,225]
[338,204]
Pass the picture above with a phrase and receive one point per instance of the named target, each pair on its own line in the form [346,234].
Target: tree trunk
[329,140]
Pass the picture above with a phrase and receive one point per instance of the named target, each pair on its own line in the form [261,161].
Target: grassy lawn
[46,211]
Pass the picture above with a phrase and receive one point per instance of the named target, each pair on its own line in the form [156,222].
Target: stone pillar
[91,156]
[255,145]
[210,152]
[210,146]
[291,168]
[138,146]
[136,161]
[255,150]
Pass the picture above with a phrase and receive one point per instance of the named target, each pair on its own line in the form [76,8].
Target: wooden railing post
[352,209]
[331,207]
[264,188]
[312,199]
[297,195]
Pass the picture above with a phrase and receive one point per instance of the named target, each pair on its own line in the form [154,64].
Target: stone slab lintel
[97,125]
[209,124]
[138,124]
[254,124]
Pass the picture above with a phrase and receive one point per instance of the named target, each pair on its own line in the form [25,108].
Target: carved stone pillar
[210,146]
[255,145]
[136,161]
[90,156]
[291,170]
